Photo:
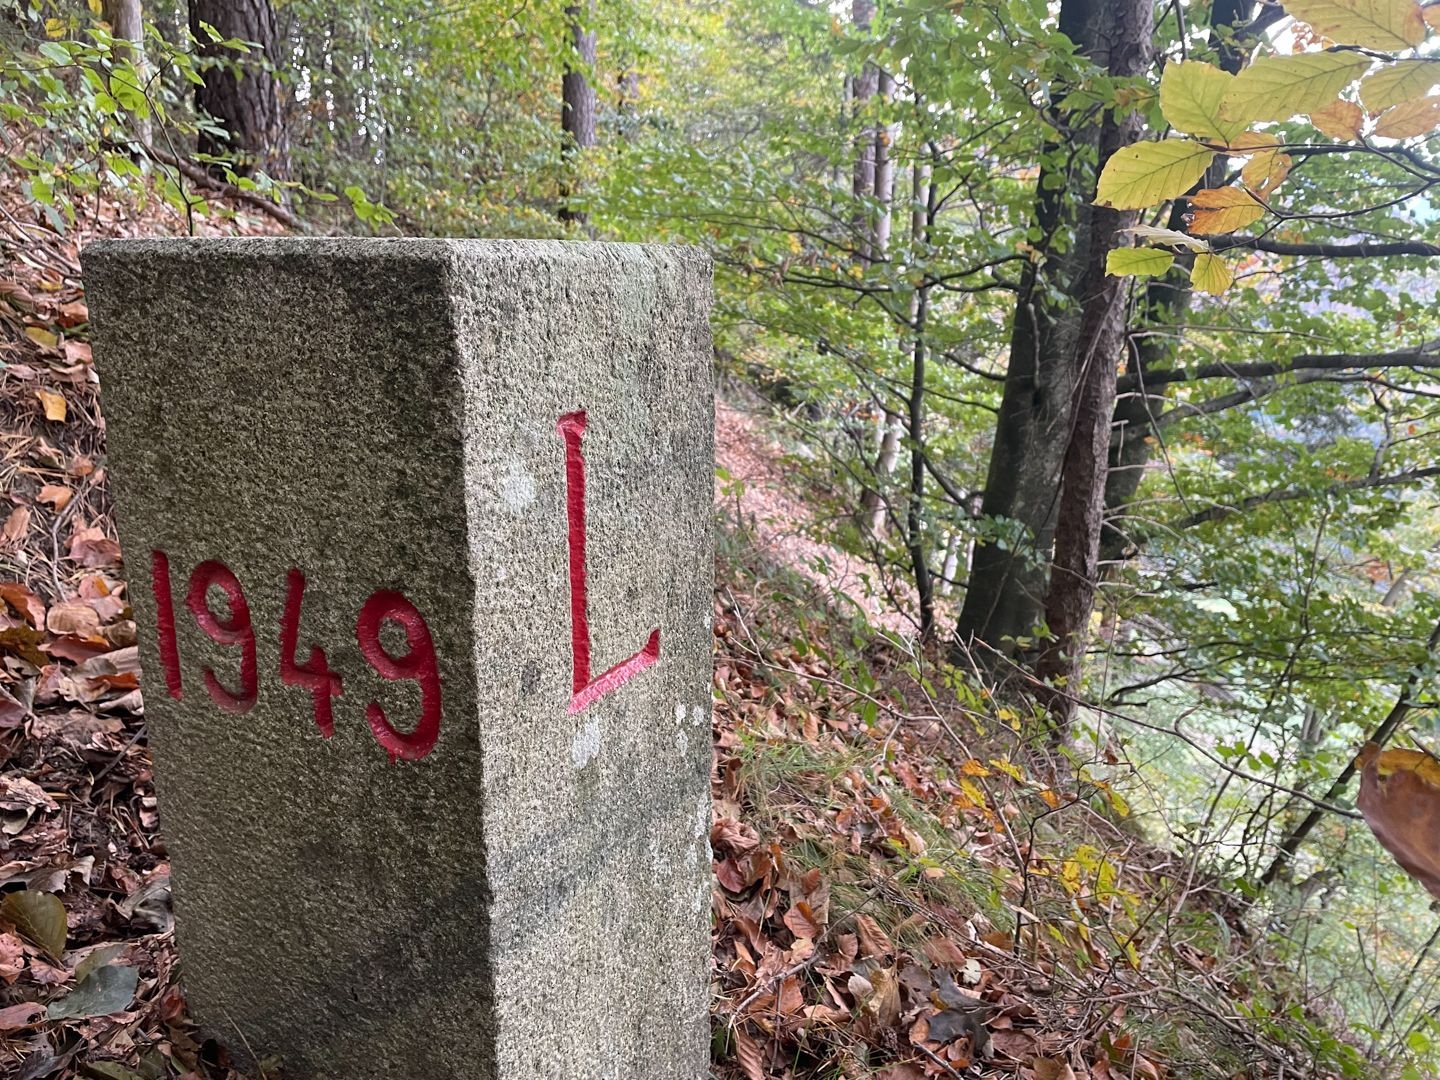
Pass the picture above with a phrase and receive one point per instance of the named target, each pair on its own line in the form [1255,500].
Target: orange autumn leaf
[1400,799]
[52,403]
[55,495]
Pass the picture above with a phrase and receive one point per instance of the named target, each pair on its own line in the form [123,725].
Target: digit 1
[233,630]
[165,621]
[315,675]
[419,664]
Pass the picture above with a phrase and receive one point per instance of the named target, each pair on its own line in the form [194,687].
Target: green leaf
[1151,172]
[109,1070]
[1373,24]
[1190,95]
[1139,262]
[55,52]
[1279,87]
[39,917]
[104,991]
[1210,274]
[1397,83]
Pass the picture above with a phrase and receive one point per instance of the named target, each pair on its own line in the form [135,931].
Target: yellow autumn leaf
[1151,172]
[46,339]
[1139,262]
[1266,171]
[1008,769]
[1190,95]
[1279,87]
[1210,274]
[53,404]
[1341,120]
[1410,119]
[1251,142]
[1373,24]
[973,767]
[1397,83]
[56,28]
[972,792]
[1223,210]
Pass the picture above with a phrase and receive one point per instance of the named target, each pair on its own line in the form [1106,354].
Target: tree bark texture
[577,108]
[1064,348]
[241,90]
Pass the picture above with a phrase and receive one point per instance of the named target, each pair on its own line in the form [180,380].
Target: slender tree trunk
[127,24]
[242,92]
[864,86]
[1063,322]
[577,109]
[915,510]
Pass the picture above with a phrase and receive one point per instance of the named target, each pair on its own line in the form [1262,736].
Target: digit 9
[419,664]
[234,629]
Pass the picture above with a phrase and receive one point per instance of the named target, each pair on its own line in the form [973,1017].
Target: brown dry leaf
[73,617]
[1400,798]
[748,1054]
[91,547]
[873,941]
[20,1016]
[801,921]
[1340,119]
[24,602]
[52,403]
[1266,171]
[1052,1069]
[1409,119]
[12,958]
[17,524]
[56,495]
[73,314]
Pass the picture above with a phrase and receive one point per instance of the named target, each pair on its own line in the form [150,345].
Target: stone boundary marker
[419,538]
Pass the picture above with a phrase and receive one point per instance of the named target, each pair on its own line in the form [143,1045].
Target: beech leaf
[1373,24]
[1141,262]
[40,918]
[1397,83]
[1210,274]
[1279,87]
[1410,119]
[1223,210]
[1343,120]
[104,991]
[1151,172]
[1191,92]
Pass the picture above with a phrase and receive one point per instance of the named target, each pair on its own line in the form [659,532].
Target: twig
[197,175]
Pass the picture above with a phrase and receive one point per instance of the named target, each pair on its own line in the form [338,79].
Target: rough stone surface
[530,899]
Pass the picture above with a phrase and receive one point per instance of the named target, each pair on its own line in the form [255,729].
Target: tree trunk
[127,25]
[577,109]
[915,511]
[864,87]
[241,91]
[1062,330]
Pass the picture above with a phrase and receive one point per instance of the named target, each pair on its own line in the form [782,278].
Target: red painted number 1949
[418,663]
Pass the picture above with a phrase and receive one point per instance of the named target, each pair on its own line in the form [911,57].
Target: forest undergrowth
[911,880]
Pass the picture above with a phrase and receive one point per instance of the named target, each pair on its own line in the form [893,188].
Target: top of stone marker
[370,247]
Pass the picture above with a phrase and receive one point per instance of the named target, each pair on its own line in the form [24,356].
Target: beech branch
[1355,249]
[1417,358]
[198,176]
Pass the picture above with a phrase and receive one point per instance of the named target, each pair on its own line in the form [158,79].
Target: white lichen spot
[679,713]
[517,489]
[701,716]
[682,743]
[702,896]
[702,816]
[586,745]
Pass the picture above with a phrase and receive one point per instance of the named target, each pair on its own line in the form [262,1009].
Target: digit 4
[315,674]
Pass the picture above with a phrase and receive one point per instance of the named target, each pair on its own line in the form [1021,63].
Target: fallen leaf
[1052,1069]
[91,547]
[73,617]
[46,339]
[56,495]
[105,990]
[39,917]
[24,602]
[17,524]
[20,1016]
[747,1053]
[52,403]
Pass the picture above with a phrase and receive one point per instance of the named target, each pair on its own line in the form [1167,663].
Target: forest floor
[906,887]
